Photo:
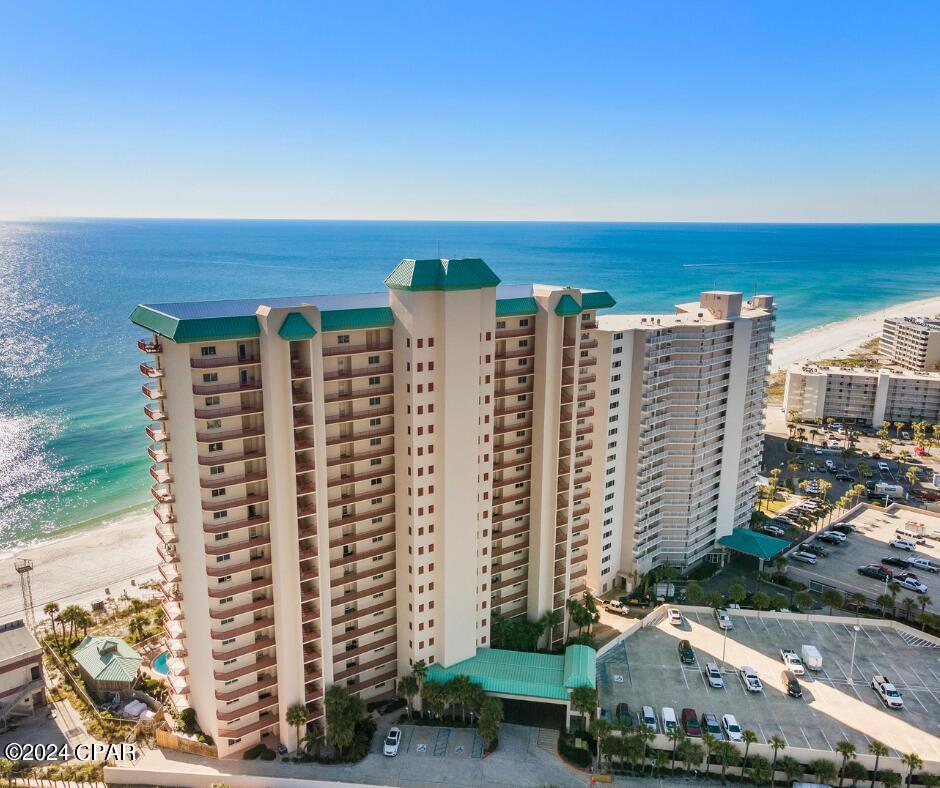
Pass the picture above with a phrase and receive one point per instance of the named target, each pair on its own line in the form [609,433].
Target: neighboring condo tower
[346,485]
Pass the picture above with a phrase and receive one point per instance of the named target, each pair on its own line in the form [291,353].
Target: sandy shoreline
[121,554]
[836,340]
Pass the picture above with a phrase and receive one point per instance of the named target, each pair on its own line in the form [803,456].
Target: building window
[207,350]
[342,339]
[210,377]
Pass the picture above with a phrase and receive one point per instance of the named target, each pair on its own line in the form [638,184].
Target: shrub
[267,754]
[574,755]
[253,752]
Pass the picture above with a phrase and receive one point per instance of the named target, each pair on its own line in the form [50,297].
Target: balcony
[214,483]
[232,525]
[227,459]
[351,559]
[227,589]
[224,546]
[164,515]
[257,625]
[382,606]
[249,648]
[154,414]
[372,492]
[160,475]
[247,689]
[499,501]
[512,462]
[166,535]
[360,516]
[216,362]
[377,432]
[508,333]
[150,371]
[218,412]
[356,652]
[357,415]
[504,410]
[158,454]
[513,426]
[353,596]
[149,346]
[498,599]
[367,574]
[515,372]
[362,372]
[228,612]
[353,538]
[345,459]
[527,389]
[510,532]
[157,434]
[362,667]
[152,393]
[268,721]
[511,514]
[220,503]
[373,391]
[228,388]
[226,568]
[162,496]
[350,350]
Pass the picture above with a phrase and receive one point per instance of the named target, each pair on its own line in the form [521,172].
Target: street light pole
[856,629]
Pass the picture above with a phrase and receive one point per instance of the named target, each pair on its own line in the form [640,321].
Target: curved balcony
[158,454]
[164,515]
[152,393]
[154,413]
[162,496]
[151,371]
[157,434]
[251,667]
[160,475]
[235,387]
[149,346]
[227,568]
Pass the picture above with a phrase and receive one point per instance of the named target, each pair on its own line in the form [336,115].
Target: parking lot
[434,742]
[869,545]
[645,670]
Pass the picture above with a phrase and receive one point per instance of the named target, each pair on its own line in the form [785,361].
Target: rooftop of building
[894,372]
[924,323]
[692,314]
[16,641]
[526,674]
[107,659]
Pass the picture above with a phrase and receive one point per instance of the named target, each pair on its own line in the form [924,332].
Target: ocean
[72,445]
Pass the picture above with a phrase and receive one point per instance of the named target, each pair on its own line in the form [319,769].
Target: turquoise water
[72,446]
[160,666]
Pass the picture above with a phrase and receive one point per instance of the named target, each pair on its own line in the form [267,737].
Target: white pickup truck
[792,661]
[887,692]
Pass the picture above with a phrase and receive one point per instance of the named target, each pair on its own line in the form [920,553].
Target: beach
[839,339]
[121,554]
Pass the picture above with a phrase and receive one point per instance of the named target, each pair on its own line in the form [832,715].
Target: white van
[812,659]
[648,718]
[713,674]
[668,716]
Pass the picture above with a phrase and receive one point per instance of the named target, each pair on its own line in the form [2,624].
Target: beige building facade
[861,396]
[911,342]
[345,485]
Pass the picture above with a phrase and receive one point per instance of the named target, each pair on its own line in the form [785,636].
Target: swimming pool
[159,664]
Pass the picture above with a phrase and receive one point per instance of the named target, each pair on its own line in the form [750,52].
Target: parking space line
[885,636]
[826,739]
[805,738]
[797,627]
[749,626]
[682,672]
[763,735]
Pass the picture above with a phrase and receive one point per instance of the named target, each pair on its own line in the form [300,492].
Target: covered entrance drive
[528,682]
[757,545]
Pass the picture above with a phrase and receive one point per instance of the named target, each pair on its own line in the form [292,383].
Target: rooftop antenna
[23,568]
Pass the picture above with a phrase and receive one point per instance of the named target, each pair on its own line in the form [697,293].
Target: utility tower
[24,567]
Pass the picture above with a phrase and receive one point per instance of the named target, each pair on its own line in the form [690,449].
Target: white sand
[837,340]
[77,568]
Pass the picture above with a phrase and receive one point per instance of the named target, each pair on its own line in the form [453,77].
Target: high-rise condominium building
[685,397]
[912,342]
[861,396]
[346,485]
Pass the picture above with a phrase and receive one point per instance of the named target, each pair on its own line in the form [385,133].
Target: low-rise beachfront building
[861,395]
[107,664]
[345,485]
[22,686]
[684,396]
[911,342]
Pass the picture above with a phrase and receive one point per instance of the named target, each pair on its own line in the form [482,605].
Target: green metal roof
[295,327]
[743,540]
[507,307]
[599,299]
[567,306]
[352,319]
[211,329]
[524,673]
[467,274]
[107,659]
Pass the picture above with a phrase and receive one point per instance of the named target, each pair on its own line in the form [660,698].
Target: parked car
[902,544]
[686,654]
[732,729]
[773,530]
[912,584]
[883,467]
[751,682]
[623,713]
[843,528]
[806,558]
[890,560]
[668,717]
[792,661]
[843,477]
[392,742]
[815,549]
[832,537]
[791,684]
[713,674]
[888,693]
[675,617]
[690,724]
[723,619]
[616,606]
[648,718]
[710,724]
[922,563]
[812,659]
[876,571]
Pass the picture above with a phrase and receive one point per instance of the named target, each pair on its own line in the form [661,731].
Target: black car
[829,538]
[843,477]
[815,549]
[624,713]
[794,690]
[892,561]
[686,655]
[843,529]
[875,571]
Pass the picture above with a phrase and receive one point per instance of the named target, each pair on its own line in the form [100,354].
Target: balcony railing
[150,371]
[363,372]
[214,362]
[228,388]
[152,393]
[149,346]
[349,350]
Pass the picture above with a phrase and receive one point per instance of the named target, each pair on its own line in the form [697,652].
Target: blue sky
[702,111]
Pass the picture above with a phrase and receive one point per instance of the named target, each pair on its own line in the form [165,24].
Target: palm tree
[924,602]
[912,761]
[857,599]
[313,741]
[737,592]
[890,779]
[420,671]
[760,770]
[830,597]
[51,609]
[296,717]
[883,601]
[407,689]
[676,736]
[138,626]
[855,772]
[778,743]
[803,600]
[748,737]
[584,701]
[549,621]
[690,754]
[824,770]
[660,759]
[600,730]
[709,742]
[879,750]
[907,605]
[462,689]
[846,749]
[727,755]
[791,767]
